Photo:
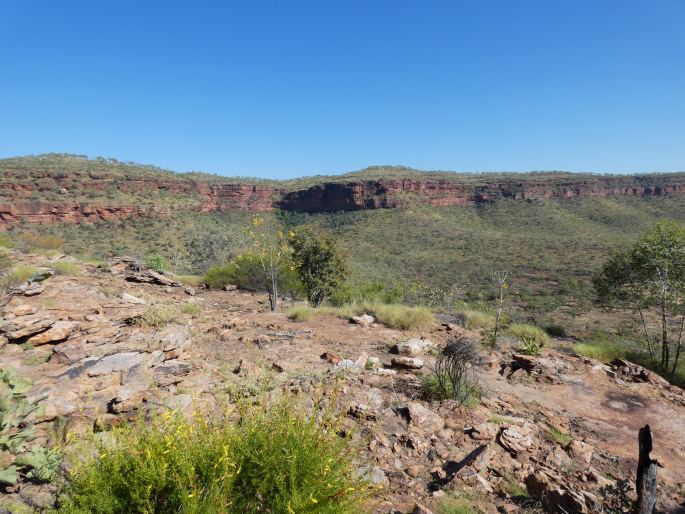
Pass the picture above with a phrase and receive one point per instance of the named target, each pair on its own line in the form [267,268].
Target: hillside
[105,345]
[67,188]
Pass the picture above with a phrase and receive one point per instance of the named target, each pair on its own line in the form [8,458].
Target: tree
[271,249]
[320,262]
[650,278]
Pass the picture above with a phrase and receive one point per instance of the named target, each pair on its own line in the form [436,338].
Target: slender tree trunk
[664,337]
[680,341]
[650,348]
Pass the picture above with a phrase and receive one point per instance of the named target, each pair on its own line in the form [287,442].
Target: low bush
[557,436]
[156,316]
[189,280]
[452,375]
[271,459]
[521,330]
[301,313]
[245,271]
[5,241]
[530,346]
[66,268]
[156,262]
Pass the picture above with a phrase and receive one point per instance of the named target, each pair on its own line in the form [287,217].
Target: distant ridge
[72,188]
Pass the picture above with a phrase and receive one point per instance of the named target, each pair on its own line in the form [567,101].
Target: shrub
[5,241]
[66,268]
[523,330]
[300,313]
[156,262]
[272,459]
[451,378]
[190,280]
[19,458]
[156,316]
[320,263]
[245,271]
[530,346]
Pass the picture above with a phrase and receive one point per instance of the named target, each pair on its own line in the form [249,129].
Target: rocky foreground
[556,432]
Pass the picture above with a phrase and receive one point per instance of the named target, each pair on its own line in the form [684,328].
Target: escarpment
[53,196]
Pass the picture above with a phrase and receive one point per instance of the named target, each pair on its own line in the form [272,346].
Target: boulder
[413,347]
[59,331]
[364,320]
[25,326]
[407,362]
[581,453]
[517,440]
[423,418]
[129,298]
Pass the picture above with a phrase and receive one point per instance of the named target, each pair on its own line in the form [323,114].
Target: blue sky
[288,88]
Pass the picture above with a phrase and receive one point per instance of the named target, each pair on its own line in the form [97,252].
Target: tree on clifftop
[320,262]
[650,278]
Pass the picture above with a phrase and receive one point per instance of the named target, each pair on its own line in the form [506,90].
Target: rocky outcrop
[60,198]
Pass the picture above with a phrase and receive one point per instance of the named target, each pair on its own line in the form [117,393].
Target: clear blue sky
[286,88]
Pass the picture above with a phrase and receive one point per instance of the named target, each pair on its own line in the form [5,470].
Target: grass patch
[22,273]
[156,316]
[191,309]
[66,268]
[524,330]
[458,505]
[604,351]
[39,358]
[189,280]
[401,317]
[478,320]
[300,313]
[514,489]
[557,436]
[274,459]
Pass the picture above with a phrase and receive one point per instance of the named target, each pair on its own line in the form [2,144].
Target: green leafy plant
[274,458]
[156,262]
[17,456]
[530,345]
[319,261]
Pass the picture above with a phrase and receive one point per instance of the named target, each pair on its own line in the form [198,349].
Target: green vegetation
[650,279]
[524,331]
[156,262]
[66,268]
[452,377]
[301,313]
[475,320]
[320,263]
[18,457]
[462,504]
[246,272]
[275,459]
[530,346]
[191,309]
[557,436]
[22,272]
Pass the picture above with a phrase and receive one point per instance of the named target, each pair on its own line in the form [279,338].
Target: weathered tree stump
[645,482]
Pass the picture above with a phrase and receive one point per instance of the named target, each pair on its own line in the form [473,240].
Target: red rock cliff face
[151,197]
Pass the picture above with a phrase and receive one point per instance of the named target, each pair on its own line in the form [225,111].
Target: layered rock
[60,196]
